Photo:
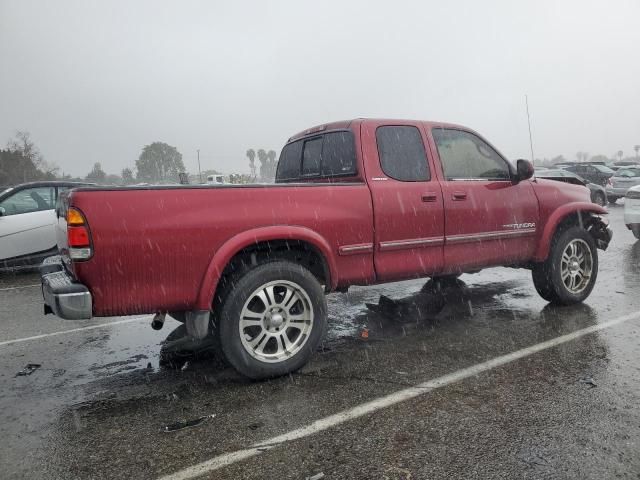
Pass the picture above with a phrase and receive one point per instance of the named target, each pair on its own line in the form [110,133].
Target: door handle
[429,197]
[459,195]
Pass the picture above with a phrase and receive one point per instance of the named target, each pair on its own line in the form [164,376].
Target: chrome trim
[354,249]
[69,306]
[478,237]
[411,243]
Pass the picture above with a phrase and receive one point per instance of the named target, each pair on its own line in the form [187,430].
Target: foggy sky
[96,81]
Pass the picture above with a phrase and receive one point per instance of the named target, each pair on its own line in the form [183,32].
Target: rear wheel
[569,273]
[612,200]
[636,232]
[272,319]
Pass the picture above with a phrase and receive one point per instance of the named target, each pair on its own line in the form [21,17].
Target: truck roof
[345,124]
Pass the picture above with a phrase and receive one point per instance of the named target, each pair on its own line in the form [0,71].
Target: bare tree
[25,146]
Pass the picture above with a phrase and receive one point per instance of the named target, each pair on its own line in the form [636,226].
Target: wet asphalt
[98,404]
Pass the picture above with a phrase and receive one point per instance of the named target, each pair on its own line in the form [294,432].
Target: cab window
[465,156]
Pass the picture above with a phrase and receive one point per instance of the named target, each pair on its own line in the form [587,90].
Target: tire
[636,232]
[271,320]
[613,200]
[599,199]
[573,256]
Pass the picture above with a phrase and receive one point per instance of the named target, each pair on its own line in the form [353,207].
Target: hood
[560,192]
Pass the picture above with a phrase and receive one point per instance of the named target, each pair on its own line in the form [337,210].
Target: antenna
[526,101]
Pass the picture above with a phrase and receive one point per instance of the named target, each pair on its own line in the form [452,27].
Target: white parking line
[366,408]
[73,330]
[21,286]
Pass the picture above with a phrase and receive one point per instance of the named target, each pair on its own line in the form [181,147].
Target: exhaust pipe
[158,321]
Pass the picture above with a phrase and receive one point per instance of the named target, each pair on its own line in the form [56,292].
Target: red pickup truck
[355,203]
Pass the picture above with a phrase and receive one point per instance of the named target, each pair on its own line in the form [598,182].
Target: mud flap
[197,323]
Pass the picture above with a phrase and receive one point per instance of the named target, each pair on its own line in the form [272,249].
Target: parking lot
[497,385]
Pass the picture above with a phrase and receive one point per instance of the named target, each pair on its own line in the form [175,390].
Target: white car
[27,222]
[216,180]
[632,210]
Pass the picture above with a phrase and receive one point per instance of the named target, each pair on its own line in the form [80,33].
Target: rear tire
[613,200]
[271,319]
[636,232]
[570,271]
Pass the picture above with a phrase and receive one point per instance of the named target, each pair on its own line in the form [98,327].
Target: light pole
[199,171]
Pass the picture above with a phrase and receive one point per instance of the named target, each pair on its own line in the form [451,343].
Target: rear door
[27,226]
[489,220]
[407,200]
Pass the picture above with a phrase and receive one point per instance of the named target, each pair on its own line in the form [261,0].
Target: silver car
[623,180]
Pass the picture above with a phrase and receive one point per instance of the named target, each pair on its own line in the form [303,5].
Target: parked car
[598,193]
[632,210]
[27,222]
[216,180]
[598,174]
[355,203]
[624,178]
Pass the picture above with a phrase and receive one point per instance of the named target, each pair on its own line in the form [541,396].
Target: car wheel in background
[272,320]
[599,199]
[570,271]
[613,200]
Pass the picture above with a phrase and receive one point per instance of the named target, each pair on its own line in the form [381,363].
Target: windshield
[603,169]
[628,172]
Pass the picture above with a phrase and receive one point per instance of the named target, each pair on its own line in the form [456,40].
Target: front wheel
[272,320]
[569,273]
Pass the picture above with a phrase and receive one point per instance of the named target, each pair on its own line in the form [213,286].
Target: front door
[27,223]
[489,219]
[407,201]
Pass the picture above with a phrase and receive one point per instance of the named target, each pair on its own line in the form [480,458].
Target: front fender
[556,218]
[235,244]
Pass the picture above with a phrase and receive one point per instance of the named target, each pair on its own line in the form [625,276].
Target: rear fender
[586,211]
[245,239]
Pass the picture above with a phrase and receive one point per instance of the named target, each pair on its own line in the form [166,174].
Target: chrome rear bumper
[63,296]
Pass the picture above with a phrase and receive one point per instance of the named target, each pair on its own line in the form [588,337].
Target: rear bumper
[63,296]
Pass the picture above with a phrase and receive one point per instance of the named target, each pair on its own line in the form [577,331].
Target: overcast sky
[95,81]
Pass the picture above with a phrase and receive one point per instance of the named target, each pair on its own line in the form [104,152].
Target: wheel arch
[575,213]
[276,240]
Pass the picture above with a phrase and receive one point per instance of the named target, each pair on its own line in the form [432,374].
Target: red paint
[164,249]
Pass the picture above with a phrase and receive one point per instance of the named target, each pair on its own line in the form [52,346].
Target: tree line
[21,161]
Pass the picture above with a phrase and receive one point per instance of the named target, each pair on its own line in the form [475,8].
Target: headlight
[635,194]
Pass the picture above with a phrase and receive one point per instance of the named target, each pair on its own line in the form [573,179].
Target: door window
[402,154]
[29,200]
[466,156]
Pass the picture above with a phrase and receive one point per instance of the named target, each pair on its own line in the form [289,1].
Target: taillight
[78,235]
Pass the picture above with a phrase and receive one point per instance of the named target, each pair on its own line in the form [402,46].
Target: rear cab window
[326,156]
[402,153]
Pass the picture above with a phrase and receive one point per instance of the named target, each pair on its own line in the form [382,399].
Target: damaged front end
[598,227]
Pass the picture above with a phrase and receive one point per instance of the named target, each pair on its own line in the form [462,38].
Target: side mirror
[2,211]
[524,170]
